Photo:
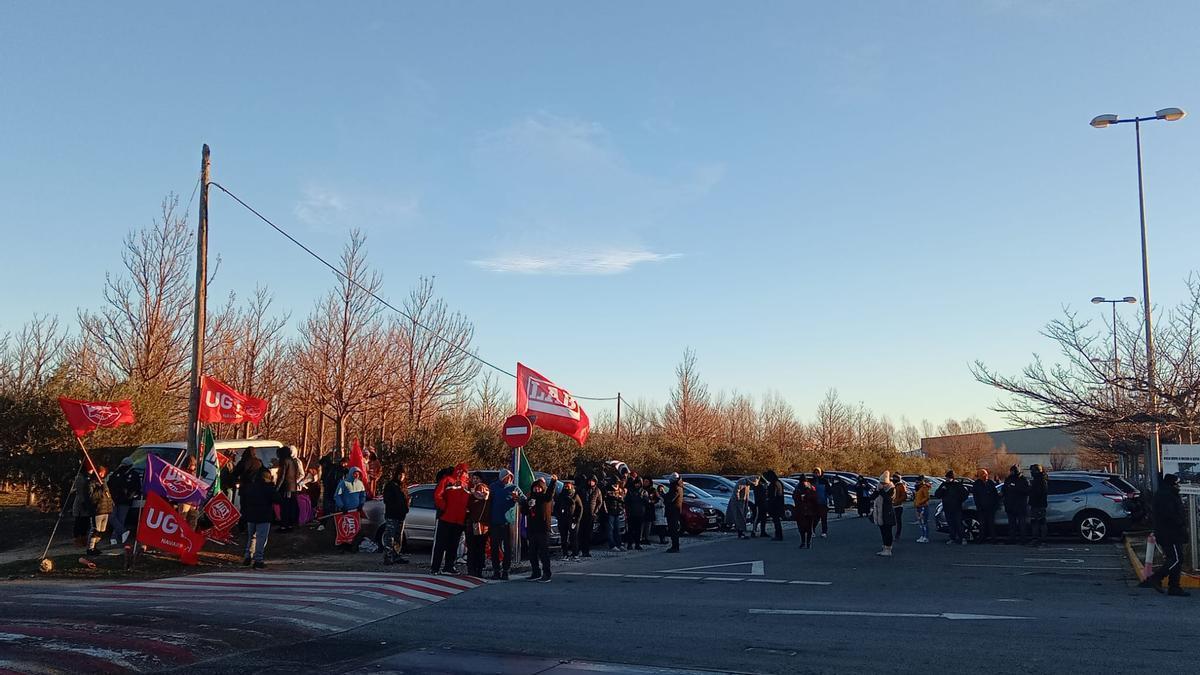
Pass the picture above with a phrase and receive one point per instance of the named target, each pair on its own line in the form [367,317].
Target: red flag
[357,460]
[549,406]
[347,527]
[223,404]
[223,514]
[162,528]
[85,416]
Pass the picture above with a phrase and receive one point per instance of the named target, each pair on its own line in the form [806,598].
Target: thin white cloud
[322,207]
[609,261]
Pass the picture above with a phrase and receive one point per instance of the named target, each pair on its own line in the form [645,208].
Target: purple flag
[173,483]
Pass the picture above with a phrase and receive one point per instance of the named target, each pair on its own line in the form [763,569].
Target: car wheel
[379,536]
[971,527]
[1092,527]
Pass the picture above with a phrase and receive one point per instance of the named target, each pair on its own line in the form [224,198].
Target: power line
[385,303]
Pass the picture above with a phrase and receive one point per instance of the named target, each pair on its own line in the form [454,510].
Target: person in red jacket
[450,497]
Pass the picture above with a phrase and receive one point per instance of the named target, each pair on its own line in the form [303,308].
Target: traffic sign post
[517,431]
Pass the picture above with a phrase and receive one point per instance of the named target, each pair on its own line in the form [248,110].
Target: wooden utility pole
[199,322]
[618,443]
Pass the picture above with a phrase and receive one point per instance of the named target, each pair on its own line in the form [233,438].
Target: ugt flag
[85,416]
[162,528]
[347,527]
[221,403]
[549,406]
[173,483]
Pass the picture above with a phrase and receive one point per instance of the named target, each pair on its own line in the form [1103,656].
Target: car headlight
[695,511]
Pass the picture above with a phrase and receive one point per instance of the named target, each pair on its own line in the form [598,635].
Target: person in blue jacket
[351,495]
[504,496]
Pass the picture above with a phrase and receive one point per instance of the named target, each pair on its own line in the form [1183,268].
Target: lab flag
[85,416]
[347,527]
[222,404]
[173,483]
[163,529]
[549,406]
[359,461]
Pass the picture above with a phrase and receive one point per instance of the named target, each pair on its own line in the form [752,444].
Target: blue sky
[866,196]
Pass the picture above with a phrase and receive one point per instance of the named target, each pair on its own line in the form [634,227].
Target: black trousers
[633,531]
[569,538]
[445,546]
[1017,522]
[885,531]
[476,547]
[760,520]
[987,525]
[501,540]
[778,526]
[584,535]
[673,531]
[289,510]
[1172,566]
[539,554]
[899,511]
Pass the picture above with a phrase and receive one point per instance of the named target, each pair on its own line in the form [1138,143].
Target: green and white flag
[210,470]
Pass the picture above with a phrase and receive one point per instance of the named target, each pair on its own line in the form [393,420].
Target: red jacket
[450,497]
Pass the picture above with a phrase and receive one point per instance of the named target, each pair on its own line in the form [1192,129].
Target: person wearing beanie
[503,499]
[1016,504]
[953,494]
[1170,529]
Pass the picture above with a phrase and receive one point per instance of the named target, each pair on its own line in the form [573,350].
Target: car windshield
[1121,484]
[697,492]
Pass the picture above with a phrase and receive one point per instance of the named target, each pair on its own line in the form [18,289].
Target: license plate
[712,520]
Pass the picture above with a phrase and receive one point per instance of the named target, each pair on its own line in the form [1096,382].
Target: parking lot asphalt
[762,606]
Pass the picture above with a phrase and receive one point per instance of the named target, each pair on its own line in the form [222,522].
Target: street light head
[1101,121]
[1169,114]
[1130,299]
[1097,300]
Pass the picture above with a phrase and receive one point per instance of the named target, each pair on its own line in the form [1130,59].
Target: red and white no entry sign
[517,431]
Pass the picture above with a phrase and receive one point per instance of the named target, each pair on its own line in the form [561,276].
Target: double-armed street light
[1153,452]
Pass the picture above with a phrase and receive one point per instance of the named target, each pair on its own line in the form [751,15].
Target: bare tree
[143,333]
[491,404]
[28,359]
[834,427]
[344,347]
[689,420]
[435,358]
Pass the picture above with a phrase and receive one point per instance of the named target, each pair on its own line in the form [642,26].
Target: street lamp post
[1116,358]
[1153,457]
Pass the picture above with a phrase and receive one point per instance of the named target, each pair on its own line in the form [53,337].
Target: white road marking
[953,616]
[722,579]
[643,576]
[685,577]
[756,569]
[812,583]
[768,581]
[1036,567]
[1076,561]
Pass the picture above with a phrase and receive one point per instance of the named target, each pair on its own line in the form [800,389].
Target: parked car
[1087,505]
[174,451]
[717,486]
[703,500]
[421,522]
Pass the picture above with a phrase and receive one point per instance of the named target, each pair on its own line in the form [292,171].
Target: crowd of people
[621,508]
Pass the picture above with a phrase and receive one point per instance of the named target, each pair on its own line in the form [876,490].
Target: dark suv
[1092,506]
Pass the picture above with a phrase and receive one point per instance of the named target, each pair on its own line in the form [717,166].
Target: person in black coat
[1170,530]
[568,509]
[635,512]
[673,510]
[952,493]
[776,501]
[538,508]
[396,503]
[986,503]
[761,509]
[1039,488]
[593,510]
[1016,504]
[862,493]
[258,509]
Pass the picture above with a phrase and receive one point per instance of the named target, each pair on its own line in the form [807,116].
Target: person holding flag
[504,498]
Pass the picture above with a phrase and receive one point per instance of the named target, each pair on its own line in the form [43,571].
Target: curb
[1185,581]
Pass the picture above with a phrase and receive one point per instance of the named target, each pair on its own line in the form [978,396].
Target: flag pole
[514,536]
[61,513]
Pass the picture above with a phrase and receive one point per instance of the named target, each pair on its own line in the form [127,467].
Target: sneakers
[258,564]
[532,577]
[824,535]
[1178,592]
[504,575]
[246,561]
[963,542]
[1150,583]
[545,579]
[922,540]
[886,553]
